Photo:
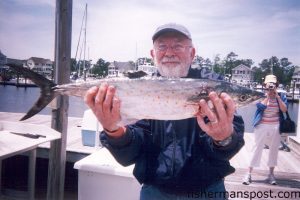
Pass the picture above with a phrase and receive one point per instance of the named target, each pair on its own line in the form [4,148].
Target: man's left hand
[220,126]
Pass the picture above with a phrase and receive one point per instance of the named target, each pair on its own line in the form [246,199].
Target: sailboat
[81,73]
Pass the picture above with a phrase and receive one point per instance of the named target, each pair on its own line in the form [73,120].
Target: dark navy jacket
[174,154]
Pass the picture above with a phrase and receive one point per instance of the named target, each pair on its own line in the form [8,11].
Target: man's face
[173,54]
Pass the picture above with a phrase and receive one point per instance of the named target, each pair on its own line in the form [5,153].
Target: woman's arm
[282,103]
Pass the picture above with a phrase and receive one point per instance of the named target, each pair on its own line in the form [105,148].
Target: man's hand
[106,108]
[220,126]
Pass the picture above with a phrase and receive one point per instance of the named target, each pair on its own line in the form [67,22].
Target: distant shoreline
[17,84]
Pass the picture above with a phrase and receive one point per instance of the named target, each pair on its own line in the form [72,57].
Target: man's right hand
[106,108]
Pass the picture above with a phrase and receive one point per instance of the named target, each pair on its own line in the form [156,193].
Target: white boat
[148,68]
[258,88]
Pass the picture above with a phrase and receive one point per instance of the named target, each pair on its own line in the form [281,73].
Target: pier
[287,172]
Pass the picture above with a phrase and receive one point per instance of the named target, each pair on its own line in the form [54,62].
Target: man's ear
[193,53]
[152,53]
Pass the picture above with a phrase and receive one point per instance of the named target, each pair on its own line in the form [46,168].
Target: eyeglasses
[177,48]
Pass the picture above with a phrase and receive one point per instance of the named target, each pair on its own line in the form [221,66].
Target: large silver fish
[145,98]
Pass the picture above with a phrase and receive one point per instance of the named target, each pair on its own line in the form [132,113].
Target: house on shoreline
[115,68]
[40,65]
[242,75]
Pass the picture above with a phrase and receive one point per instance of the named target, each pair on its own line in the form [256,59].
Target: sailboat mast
[84,68]
[79,45]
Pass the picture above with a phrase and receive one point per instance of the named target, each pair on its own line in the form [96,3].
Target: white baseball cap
[171,27]
[270,79]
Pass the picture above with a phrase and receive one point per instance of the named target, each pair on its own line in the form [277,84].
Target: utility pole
[57,154]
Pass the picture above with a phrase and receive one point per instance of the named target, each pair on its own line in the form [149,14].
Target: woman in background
[266,128]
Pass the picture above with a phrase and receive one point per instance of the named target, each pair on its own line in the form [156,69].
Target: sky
[119,30]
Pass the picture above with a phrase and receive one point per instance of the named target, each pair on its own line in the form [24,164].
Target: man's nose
[169,51]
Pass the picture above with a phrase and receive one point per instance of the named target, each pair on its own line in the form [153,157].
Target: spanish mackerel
[145,98]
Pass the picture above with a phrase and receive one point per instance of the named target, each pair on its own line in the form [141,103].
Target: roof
[15,61]
[39,60]
[242,66]
[297,70]
[1,54]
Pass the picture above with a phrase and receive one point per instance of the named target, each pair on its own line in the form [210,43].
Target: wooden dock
[287,172]
[287,161]
[75,148]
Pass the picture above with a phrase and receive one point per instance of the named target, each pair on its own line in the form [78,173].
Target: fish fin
[137,74]
[47,92]
[44,99]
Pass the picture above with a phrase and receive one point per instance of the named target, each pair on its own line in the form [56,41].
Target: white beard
[177,71]
[174,71]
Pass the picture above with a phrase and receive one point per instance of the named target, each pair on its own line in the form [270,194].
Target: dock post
[0,177]
[57,155]
[298,123]
[31,174]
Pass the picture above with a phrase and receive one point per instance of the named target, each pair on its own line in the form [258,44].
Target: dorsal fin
[135,74]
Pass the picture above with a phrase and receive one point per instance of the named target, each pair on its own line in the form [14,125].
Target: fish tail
[47,93]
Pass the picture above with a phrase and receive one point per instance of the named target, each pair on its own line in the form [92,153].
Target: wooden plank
[74,143]
[12,144]
[287,161]
[288,183]
[57,159]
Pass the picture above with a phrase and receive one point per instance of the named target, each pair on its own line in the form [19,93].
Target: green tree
[73,66]
[281,68]
[100,68]
[288,70]
[198,60]
[217,65]
[208,63]
[229,62]
[258,75]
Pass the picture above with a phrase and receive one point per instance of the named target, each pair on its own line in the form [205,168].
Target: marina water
[20,100]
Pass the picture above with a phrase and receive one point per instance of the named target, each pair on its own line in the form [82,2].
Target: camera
[270,86]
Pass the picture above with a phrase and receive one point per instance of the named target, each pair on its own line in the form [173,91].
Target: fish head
[242,96]
[248,97]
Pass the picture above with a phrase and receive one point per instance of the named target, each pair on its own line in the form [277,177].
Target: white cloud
[122,30]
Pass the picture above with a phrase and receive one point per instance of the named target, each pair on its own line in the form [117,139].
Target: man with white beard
[174,159]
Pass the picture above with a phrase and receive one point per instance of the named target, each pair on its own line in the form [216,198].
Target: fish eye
[243,98]
[203,92]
